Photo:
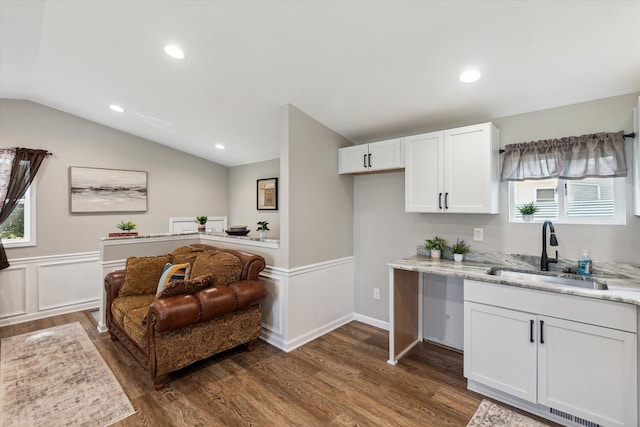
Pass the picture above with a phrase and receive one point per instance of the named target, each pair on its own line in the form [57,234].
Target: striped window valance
[576,157]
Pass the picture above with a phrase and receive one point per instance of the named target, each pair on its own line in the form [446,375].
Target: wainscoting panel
[68,283]
[272,312]
[306,302]
[39,287]
[13,288]
[320,299]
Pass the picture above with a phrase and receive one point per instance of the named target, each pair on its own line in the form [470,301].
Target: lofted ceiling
[366,69]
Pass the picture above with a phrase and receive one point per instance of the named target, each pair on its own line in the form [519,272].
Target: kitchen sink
[549,279]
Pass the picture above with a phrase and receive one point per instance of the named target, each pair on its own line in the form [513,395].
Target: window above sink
[583,201]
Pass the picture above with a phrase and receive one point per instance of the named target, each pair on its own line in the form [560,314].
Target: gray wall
[384,232]
[179,185]
[320,200]
[242,197]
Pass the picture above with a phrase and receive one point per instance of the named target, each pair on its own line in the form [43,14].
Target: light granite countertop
[623,280]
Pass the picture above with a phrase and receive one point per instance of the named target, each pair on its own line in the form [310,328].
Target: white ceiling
[367,69]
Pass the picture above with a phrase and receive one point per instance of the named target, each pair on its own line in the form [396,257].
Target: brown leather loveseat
[215,309]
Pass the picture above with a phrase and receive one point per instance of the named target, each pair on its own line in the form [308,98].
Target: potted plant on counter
[127,229]
[263,227]
[436,246]
[459,249]
[202,223]
[527,210]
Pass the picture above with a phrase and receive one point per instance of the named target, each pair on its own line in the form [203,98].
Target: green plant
[437,244]
[126,226]
[264,226]
[202,219]
[528,209]
[460,247]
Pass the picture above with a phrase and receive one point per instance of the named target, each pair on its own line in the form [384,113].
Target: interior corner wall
[179,184]
[385,232]
[320,200]
[243,194]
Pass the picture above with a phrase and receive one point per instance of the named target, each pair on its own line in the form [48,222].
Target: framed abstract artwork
[94,190]
[268,194]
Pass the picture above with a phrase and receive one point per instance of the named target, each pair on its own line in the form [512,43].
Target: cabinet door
[500,349]
[385,155]
[353,159]
[636,153]
[423,173]
[588,371]
[471,169]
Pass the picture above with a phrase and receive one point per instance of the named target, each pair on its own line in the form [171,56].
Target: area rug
[490,414]
[56,377]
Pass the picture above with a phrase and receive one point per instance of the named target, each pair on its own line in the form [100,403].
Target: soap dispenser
[584,263]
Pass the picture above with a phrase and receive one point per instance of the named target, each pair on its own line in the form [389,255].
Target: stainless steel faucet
[544,259]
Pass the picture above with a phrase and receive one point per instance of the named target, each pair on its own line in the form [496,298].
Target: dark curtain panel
[23,170]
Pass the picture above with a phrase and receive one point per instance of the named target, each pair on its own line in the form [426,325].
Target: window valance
[596,155]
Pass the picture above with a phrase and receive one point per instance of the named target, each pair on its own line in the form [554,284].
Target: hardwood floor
[340,379]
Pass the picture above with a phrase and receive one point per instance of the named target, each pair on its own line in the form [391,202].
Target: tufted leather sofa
[167,334]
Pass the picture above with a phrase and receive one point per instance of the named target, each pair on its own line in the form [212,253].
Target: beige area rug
[56,377]
[490,414]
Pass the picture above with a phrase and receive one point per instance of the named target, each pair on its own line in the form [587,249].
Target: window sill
[21,244]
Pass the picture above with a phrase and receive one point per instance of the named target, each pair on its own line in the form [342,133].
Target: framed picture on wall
[95,190]
[268,194]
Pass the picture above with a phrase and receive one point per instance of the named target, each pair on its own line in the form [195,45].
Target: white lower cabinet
[569,367]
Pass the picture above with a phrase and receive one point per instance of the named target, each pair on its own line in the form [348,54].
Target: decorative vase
[202,228]
[436,253]
[458,257]
[262,234]
[527,218]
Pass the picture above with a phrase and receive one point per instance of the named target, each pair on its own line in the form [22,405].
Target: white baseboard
[381,324]
[316,333]
[72,308]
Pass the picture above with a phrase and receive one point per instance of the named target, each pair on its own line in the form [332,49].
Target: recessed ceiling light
[174,51]
[470,76]
[116,108]
[219,146]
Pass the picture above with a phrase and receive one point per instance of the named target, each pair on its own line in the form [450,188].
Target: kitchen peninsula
[555,350]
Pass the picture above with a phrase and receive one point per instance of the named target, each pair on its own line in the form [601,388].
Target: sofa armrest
[248,293]
[112,284]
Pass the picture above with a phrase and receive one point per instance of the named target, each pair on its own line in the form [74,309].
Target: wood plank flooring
[340,379]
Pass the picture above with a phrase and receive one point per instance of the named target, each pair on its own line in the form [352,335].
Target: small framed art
[268,194]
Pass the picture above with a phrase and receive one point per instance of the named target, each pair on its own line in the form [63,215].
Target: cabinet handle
[531,323]
[369,159]
[364,160]
[541,332]
[440,201]
[446,200]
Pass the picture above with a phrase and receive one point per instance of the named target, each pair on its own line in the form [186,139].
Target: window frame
[29,238]
[619,197]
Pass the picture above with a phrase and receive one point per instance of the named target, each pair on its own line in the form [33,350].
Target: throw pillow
[172,272]
[179,287]
[142,275]
[224,267]
[186,254]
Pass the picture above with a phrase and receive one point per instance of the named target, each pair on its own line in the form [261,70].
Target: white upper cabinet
[453,171]
[376,156]
[636,154]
